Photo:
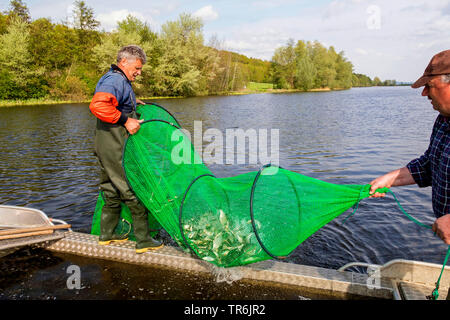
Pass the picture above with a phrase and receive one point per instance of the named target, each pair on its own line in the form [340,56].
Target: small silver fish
[223,218]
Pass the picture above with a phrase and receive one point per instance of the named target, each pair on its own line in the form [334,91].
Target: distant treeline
[361,80]
[63,61]
[309,65]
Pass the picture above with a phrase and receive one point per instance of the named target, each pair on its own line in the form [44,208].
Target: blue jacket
[113,97]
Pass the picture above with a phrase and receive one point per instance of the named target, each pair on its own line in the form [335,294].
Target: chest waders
[109,143]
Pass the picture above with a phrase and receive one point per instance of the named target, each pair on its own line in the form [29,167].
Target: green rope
[435,294]
[364,192]
[406,214]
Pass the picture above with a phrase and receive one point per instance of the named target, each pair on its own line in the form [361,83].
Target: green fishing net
[227,221]
[125,225]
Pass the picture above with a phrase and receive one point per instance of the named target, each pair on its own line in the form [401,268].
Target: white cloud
[399,48]
[256,40]
[264,4]
[109,20]
[206,13]
[361,51]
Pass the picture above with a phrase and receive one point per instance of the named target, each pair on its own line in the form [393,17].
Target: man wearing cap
[433,167]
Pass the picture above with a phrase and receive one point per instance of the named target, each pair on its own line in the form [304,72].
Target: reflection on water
[40,274]
[47,161]
[346,137]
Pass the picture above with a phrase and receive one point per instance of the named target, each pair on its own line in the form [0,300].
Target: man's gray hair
[445,78]
[132,52]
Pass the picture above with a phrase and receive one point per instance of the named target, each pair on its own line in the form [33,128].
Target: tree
[14,55]
[19,9]
[85,25]
[305,74]
[64,47]
[305,69]
[132,25]
[187,30]
[183,57]
[361,80]
[344,72]
[324,61]
[3,23]
[83,16]
[16,61]
[284,60]
[214,69]
[41,42]
[377,81]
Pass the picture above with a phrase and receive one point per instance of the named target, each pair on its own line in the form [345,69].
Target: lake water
[344,137]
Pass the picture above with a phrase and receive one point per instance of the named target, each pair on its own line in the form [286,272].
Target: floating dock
[397,279]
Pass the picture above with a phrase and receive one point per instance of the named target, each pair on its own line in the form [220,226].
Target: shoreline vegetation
[263,88]
[43,62]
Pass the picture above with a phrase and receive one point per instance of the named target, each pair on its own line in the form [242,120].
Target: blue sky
[391,39]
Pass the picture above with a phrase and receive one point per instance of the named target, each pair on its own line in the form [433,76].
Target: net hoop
[180,215]
[252,217]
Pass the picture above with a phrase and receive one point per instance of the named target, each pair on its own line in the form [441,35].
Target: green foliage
[52,46]
[68,87]
[183,57]
[257,86]
[7,86]
[83,16]
[18,71]
[85,26]
[14,55]
[132,25]
[284,60]
[3,23]
[361,80]
[20,10]
[307,65]
[41,58]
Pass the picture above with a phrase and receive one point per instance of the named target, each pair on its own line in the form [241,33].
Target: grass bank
[31,102]
[251,88]
[47,101]
[255,87]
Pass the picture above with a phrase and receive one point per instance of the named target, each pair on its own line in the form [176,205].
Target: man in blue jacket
[114,105]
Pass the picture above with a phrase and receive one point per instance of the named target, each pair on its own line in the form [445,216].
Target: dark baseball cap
[439,65]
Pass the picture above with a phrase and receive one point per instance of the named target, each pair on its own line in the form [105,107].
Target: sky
[391,39]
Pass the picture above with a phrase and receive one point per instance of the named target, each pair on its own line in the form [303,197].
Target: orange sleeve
[103,106]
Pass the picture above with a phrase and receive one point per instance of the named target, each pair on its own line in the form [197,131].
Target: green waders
[109,143]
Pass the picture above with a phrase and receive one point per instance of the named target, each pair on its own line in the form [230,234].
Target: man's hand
[384,181]
[133,125]
[139,101]
[399,177]
[442,228]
